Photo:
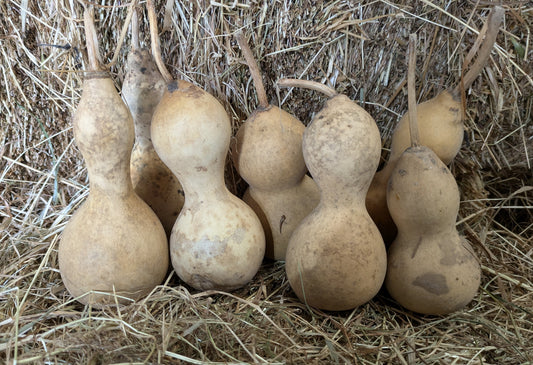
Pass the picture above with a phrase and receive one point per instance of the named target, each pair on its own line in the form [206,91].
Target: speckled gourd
[114,243]
[152,180]
[441,128]
[217,241]
[267,153]
[336,258]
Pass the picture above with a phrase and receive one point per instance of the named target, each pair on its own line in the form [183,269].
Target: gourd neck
[203,185]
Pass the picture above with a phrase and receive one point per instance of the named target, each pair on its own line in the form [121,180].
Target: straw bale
[358,47]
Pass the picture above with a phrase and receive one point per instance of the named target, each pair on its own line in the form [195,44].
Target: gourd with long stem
[336,259]
[217,241]
[152,180]
[267,153]
[440,123]
[431,268]
[114,244]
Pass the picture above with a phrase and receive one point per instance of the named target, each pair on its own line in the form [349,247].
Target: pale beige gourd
[152,180]
[440,127]
[217,241]
[336,259]
[431,268]
[114,243]
[267,153]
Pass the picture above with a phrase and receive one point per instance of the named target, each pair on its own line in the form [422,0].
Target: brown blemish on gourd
[172,86]
[432,282]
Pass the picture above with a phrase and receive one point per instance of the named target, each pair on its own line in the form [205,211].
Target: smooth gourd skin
[336,259]
[440,124]
[267,153]
[114,242]
[152,180]
[431,269]
[217,241]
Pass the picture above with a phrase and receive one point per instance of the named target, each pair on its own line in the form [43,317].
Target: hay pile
[359,47]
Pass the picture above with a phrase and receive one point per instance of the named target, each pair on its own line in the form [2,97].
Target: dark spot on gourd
[444,170]
[402,172]
[143,70]
[172,86]
[416,247]
[454,110]
[432,282]
[201,168]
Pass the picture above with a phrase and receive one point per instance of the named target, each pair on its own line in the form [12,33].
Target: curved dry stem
[156,43]
[91,40]
[254,70]
[411,92]
[487,35]
[307,84]
[135,30]
[123,33]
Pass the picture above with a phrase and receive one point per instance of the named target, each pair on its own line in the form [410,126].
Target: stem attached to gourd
[255,71]
[486,38]
[411,92]
[307,84]
[156,44]
[91,40]
[135,30]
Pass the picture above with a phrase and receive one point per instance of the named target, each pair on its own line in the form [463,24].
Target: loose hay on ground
[359,47]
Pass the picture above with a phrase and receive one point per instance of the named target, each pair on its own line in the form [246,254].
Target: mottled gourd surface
[114,243]
[336,258]
[217,241]
[431,268]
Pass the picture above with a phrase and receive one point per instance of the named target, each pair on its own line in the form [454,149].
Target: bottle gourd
[152,180]
[336,258]
[114,243]
[441,127]
[431,268]
[267,153]
[217,241]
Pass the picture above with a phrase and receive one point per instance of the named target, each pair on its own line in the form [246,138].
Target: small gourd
[440,127]
[336,259]
[114,243]
[152,180]
[267,153]
[431,268]
[217,241]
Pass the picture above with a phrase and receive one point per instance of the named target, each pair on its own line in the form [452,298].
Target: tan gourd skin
[336,258]
[217,241]
[431,269]
[152,180]
[268,155]
[441,129]
[114,242]
[440,125]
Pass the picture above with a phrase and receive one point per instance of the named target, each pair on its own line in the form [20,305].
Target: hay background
[357,46]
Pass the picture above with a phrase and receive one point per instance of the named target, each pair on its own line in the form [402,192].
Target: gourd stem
[487,35]
[307,84]
[254,70]
[411,92]
[156,45]
[135,30]
[123,33]
[91,40]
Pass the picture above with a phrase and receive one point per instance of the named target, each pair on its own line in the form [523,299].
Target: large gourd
[336,258]
[268,154]
[152,180]
[441,127]
[431,268]
[217,241]
[114,243]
